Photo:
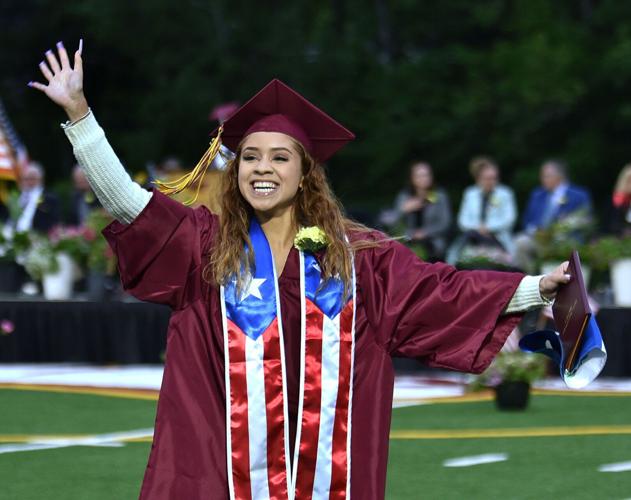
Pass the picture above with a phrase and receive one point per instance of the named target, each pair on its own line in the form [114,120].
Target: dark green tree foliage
[520,80]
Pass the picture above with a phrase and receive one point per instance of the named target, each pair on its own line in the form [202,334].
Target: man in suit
[555,200]
[39,210]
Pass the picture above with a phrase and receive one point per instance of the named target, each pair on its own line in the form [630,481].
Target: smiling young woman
[278,377]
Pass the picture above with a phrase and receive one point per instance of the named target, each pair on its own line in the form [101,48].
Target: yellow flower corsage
[432,197]
[311,239]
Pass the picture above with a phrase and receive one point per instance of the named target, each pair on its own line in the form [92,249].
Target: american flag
[12,151]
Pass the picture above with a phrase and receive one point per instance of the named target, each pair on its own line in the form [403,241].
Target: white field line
[616,467]
[488,458]
[114,439]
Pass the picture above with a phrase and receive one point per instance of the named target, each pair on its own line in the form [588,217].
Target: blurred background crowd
[489,134]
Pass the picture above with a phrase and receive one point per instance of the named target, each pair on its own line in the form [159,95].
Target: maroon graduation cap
[275,108]
[279,108]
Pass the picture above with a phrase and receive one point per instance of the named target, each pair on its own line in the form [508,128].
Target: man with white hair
[39,210]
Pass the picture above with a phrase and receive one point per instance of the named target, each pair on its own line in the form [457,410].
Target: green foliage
[606,250]
[100,256]
[444,81]
[556,242]
[13,244]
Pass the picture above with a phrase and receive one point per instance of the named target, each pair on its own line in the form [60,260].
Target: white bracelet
[69,123]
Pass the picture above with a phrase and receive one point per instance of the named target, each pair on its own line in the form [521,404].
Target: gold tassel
[196,175]
[4,192]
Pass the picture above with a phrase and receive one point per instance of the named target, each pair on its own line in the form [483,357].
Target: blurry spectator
[83,199]
[425,211]
[555,201]
[38,210]
[620,220]
[487,213]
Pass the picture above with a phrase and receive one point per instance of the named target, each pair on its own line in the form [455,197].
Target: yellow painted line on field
[557,392]
[145,394]
[465,398]
[476,397]
[400,434]
[152,395]
[511,433]
[30,438]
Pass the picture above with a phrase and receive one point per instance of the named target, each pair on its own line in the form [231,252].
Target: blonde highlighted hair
[621,182]
[314,205]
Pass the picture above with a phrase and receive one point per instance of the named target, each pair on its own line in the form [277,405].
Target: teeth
[264,187]
[263,184]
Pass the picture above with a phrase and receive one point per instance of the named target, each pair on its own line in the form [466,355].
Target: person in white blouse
[488,211]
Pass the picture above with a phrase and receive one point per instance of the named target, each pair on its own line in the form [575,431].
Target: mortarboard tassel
[196,175]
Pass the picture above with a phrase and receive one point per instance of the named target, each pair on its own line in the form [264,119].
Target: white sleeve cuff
[527,296]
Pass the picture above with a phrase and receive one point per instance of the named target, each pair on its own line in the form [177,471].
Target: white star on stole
[253,288]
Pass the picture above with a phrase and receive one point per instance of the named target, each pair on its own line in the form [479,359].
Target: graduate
[278,378]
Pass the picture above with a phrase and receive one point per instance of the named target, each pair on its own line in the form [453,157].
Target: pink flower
[6,327]
[73,232]
[89,234]
[55,234]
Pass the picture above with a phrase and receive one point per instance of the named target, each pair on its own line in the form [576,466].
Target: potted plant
[615,254]
[555,243]
[57,260]
[13,246]
[484,257]
[510,375]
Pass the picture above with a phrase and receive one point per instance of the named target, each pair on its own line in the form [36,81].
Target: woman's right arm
[118,194]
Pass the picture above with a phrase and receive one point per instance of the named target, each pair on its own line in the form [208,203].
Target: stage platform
[121,333]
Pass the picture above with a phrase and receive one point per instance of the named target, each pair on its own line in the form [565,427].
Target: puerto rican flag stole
[256,391]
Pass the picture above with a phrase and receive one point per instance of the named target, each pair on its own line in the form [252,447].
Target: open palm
[65,83]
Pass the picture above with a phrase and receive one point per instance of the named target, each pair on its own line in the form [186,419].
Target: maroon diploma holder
[571,311]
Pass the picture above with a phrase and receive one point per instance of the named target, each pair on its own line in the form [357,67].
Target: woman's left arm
[537,291]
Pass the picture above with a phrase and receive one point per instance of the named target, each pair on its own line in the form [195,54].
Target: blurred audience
[620,220]
[425,211]
[555,201]
[487,213]
[37,209]
[83,200]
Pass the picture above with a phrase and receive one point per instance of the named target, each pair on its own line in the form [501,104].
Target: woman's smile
[264,188]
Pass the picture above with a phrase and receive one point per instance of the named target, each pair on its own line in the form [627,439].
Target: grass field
[554,449]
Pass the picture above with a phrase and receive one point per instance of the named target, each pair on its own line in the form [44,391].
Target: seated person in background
[487,212]
[620,220]
[554,201]
[83,199]
[38,209]
[425,211]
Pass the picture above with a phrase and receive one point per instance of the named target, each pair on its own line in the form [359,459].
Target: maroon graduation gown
[405,307]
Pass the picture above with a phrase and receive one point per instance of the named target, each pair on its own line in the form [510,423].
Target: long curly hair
[314,205]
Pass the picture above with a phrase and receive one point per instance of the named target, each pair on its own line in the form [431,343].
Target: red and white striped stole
[256,389]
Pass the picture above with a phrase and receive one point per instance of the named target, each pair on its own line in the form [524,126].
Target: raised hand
[65,83]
